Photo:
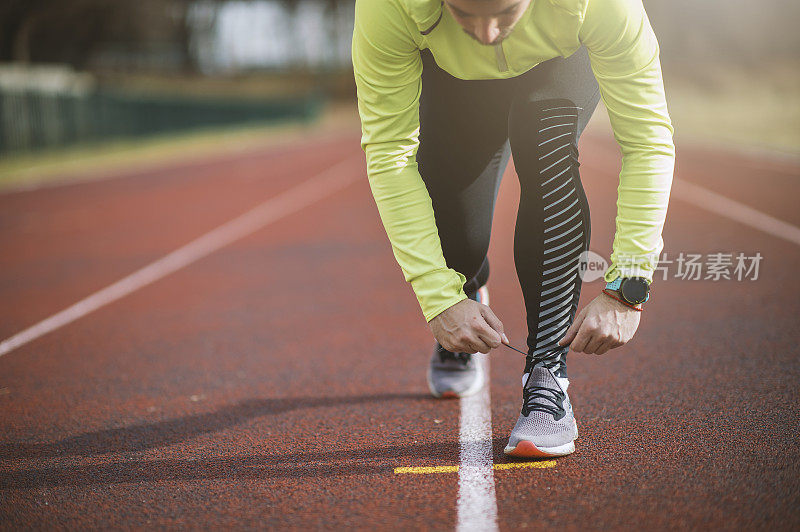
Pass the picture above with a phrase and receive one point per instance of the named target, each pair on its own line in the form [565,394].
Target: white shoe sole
[526,449]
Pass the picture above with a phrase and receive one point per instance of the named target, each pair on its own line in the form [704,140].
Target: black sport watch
[634,290]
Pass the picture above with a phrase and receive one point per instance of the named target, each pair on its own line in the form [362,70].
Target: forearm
[407,214]
[642,203]
[625,60]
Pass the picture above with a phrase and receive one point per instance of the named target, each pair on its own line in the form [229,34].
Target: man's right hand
[468,327]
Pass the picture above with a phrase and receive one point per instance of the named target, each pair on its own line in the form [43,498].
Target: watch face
[635,290]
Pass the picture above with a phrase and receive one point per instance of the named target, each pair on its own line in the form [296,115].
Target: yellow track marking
[543,464]
[426,470]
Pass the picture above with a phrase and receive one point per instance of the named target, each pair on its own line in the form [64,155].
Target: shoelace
[445,355]
[531,396]
[531,393]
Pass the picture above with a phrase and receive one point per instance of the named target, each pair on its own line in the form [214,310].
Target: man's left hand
[601,325]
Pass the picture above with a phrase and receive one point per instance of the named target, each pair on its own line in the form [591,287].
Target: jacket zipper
[500,55]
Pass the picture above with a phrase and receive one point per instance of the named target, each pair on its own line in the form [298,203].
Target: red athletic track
[279,381]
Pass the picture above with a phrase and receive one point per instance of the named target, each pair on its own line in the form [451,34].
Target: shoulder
[424,13]
[619,32]
[605,11]
[416,15]
[598,9]
[385,48]
[573,7]
[384,25]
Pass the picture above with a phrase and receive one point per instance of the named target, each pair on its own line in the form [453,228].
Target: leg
[462,155]
[463,152]
[553,228]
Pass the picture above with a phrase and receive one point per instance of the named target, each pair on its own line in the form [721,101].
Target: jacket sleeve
[624,54]
[388,70]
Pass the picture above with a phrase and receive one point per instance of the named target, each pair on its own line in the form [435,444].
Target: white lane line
[310,191]
[477,503]
[739,212]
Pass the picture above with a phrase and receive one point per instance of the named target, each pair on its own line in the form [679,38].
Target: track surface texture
[278,382]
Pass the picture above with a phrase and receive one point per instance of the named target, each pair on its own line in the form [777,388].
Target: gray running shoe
[546,427]
[454,375]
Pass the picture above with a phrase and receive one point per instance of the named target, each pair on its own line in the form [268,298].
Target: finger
[456,347]
[573,329]
[582,338]
[487,334]
[595,342]
[490,338]
[492,319]
[480,346]
[606,347]
[465,348]
[453,347]
[466,344]
[486,339]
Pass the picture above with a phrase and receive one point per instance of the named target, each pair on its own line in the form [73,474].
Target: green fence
[30,120]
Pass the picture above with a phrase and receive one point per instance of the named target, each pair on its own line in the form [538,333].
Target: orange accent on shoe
[449,395]
[526,449]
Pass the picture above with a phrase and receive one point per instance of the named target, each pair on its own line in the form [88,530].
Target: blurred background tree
[731,66]
[77,32]
[74,31]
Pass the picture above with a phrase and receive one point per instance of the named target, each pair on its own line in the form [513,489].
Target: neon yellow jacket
[623,51]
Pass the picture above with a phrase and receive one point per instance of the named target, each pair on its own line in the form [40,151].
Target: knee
[542,129]
[477,279]
[470,260]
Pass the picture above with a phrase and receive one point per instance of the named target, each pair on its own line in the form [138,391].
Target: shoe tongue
[539,376]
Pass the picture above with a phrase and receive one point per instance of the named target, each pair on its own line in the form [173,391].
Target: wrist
[616,295]
[441,312]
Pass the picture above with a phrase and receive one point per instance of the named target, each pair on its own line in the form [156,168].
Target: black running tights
[468,130]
